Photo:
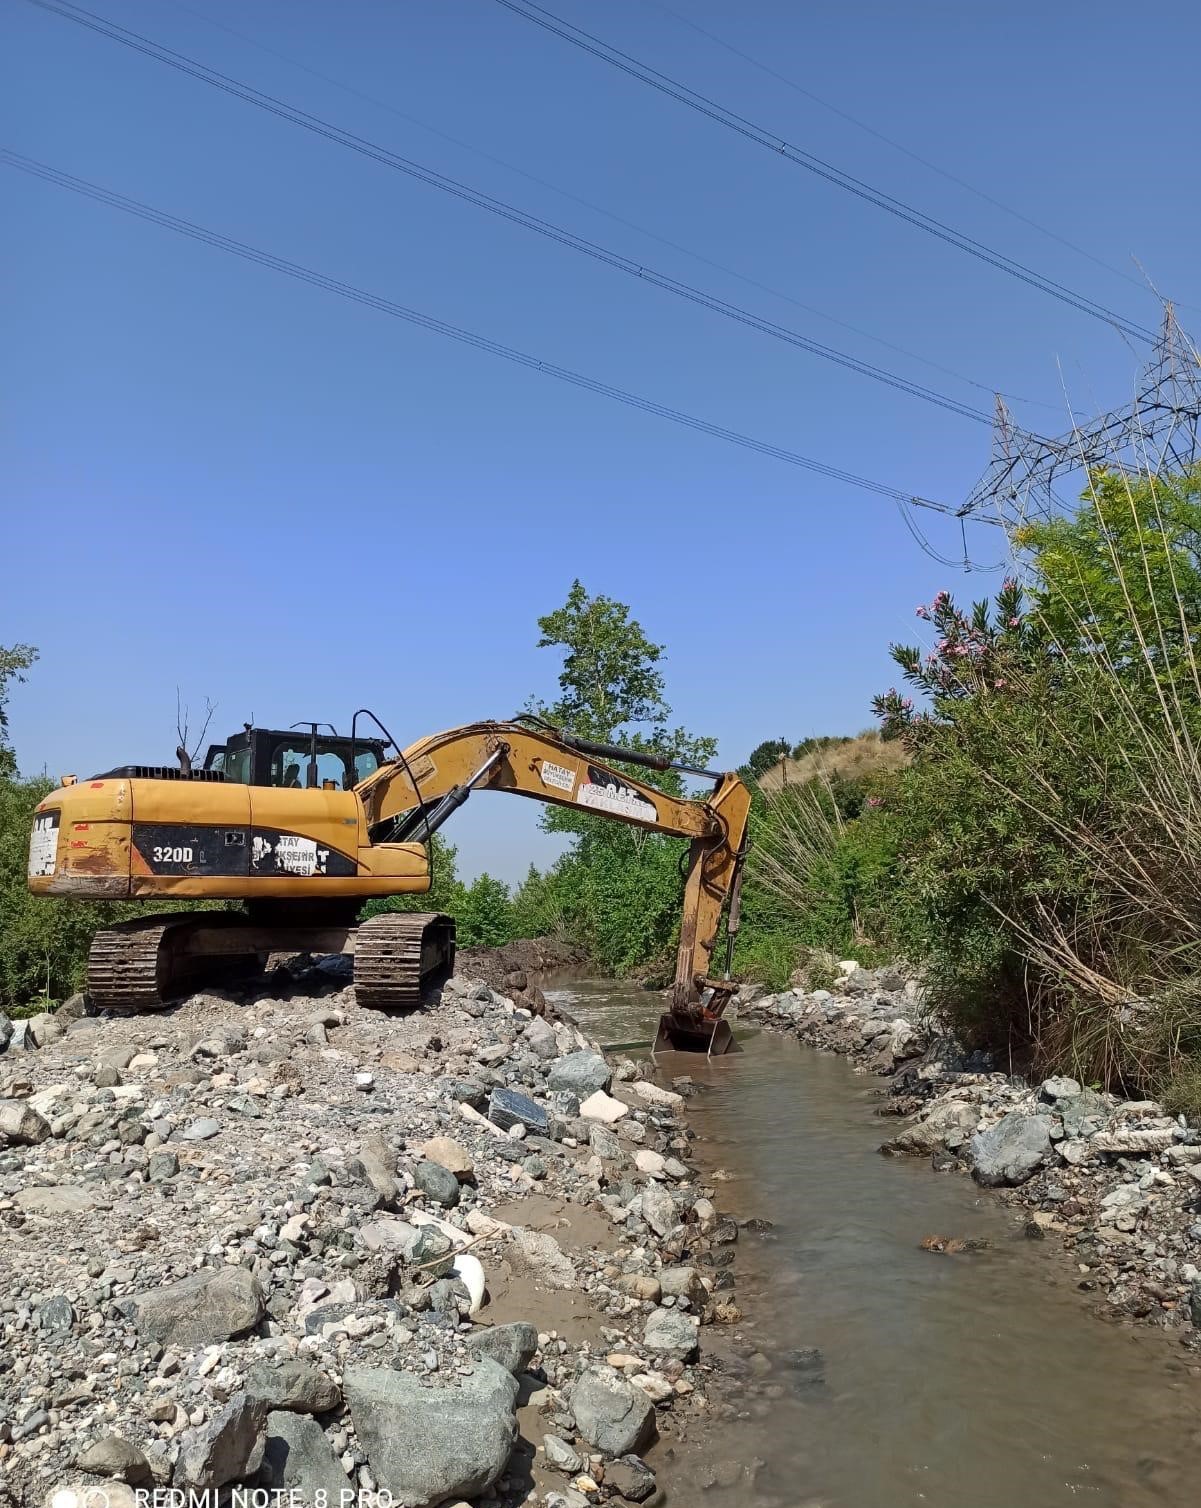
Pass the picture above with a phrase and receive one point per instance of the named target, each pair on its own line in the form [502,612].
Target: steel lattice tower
[1159,431]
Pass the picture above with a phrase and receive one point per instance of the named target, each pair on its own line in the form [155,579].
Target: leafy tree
[617,889]
[766,755]
[15,660]
[1121,578]
[484,919]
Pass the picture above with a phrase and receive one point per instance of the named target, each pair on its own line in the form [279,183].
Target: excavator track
[132,967]
[397,957]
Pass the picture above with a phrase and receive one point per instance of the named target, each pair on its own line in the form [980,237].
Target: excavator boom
[303,860]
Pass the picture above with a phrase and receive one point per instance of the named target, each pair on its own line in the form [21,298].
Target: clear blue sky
[219,479]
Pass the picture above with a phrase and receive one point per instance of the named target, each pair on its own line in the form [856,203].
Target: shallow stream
[971,1381]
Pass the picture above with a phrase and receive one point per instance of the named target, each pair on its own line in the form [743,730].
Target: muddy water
[974,1381]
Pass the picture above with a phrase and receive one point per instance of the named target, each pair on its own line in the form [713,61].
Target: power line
[505,211]
[455,332]
[600,209]
[896,145]
[714,111]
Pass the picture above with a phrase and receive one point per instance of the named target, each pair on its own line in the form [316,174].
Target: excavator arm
[409,798]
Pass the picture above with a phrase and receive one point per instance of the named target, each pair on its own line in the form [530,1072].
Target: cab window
[236,765]
[366,762]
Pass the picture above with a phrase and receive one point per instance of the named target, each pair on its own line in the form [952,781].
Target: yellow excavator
[303,826]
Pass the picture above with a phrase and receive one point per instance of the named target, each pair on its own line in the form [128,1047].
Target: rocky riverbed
[1118,1182]
[277,1239]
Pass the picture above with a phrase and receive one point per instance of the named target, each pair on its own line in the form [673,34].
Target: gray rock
[376,1165]
[563,1103]
[437,1183]
[604,1143]
[1012,1151]
[508,1108]
[201,1130]
[512,1346]
[467,1092]
[683,1282]
[44,1029]
[298,1458]
[74,1007]
[296,1386]
[112,1456]
[427,1444]
[583,1073]
[61,1200]
[227,1448]
[21,1125]
[670,1333]
[431,1250]
[162,1166]
[539,1037]
[631,1478]
[1082,1113]
[105,1076]
[119,1057]
[56,1316]
[611,1413]
[659,1209]
[560,1455]
[949,1124]
[213,1305]
[1051,1090]
[6,1031]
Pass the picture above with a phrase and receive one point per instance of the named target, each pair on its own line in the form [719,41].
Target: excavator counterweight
[303,828]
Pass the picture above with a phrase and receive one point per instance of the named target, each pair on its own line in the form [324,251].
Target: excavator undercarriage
[304,858]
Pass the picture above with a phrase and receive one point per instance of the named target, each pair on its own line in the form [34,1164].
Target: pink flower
[998,685]
[875,801]
[1015,622]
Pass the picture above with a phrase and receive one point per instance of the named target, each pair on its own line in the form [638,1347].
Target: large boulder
[226,1449]
[669,1332]
[427,1444]
[1012,1151]
[113,1456]
[948,1125]
[437,1183]
[21,1125]
[6,1031]
[513,1346]
[298,1459]
[210,1306]
[296,1386]
[583,1073]
[611,1413]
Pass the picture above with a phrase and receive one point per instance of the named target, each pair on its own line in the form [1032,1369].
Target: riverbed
[971,1380]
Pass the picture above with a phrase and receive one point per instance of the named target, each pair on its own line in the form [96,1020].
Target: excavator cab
[307,756]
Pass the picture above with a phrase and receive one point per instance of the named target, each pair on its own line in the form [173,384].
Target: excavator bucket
[676,1034]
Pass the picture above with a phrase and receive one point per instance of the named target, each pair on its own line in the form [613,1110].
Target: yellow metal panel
[191,801]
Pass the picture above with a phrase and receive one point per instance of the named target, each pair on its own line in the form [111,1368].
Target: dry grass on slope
[855,759]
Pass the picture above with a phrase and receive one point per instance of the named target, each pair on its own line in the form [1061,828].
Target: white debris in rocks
[242,1238]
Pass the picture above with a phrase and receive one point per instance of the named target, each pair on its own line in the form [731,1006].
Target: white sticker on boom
[296,855]
[43,845]
[557,775]
[607,794]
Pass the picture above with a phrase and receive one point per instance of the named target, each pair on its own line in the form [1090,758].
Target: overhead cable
[454,332]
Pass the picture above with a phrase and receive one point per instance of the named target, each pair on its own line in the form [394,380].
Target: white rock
[650,1163]
[604,1108]
[653,1095]
[471,1274]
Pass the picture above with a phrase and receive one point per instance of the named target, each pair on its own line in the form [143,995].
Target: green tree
[485,917]
[766,755]
[15,660]
[1121,578]
[617,889]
